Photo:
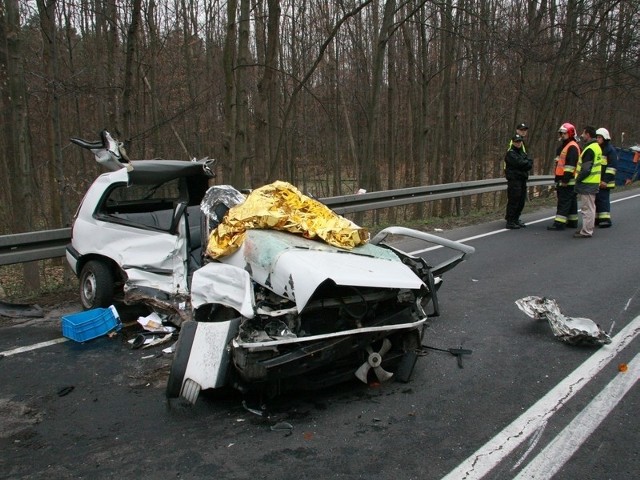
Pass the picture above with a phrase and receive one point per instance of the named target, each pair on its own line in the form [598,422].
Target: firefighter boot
[556,226]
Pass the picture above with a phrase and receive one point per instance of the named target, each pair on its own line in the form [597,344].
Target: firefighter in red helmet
[567,156]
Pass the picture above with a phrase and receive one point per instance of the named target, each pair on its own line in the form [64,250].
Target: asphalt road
[97,410]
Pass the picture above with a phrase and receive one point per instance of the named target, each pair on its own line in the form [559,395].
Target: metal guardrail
[30,246]
[406,196]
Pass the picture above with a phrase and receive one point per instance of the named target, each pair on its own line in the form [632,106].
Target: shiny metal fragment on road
[571,330]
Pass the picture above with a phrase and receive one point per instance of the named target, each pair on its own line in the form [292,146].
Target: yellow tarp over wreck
[281,206]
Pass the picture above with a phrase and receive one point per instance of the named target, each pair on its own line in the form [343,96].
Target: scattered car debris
[456,352]
[158,340]
[261,413]
[283,427]
[20,310]
[65,390]
[149,339]
[153,323]
[571,330]
[374,361]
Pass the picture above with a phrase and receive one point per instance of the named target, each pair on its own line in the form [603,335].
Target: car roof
[153,172]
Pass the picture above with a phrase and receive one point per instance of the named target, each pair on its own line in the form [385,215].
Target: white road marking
[557,453]
[35,346]
[532,444]
[504,443]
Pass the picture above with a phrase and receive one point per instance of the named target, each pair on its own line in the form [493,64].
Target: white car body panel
[226,285]
[158,257]
[294,267]
[150,258]
[209,360]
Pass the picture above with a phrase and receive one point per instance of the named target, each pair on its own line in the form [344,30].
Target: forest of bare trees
[331,96]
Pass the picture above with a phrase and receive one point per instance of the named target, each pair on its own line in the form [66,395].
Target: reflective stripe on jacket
[561,162]
[609,164]
[524,149]
[596,168]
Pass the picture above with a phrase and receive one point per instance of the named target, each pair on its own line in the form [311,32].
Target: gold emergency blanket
[281,206]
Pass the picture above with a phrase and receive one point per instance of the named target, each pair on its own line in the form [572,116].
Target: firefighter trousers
[567,209]
[603,206]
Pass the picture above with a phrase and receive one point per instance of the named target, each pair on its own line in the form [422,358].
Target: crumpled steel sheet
[571,330]
[218,200]
[175,306]
[281,206]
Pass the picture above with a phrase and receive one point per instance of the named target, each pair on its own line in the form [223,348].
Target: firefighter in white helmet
[607,180]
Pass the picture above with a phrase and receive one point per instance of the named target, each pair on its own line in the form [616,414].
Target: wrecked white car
[277,309]
[137,235]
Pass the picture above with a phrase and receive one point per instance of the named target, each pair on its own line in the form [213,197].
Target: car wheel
[96,285]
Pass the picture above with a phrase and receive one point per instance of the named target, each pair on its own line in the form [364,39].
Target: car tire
[96,285]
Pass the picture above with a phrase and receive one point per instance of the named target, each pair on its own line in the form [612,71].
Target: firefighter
[588,173]
[607,180]
[567,156]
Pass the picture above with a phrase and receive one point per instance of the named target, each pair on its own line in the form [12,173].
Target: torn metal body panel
[294,267]
[571,330]
[227,285]
[201,358]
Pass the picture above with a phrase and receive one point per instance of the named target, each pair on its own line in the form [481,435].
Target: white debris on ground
[574,331]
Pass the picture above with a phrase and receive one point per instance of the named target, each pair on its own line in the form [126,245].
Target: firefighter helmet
[568,129]
[604,133]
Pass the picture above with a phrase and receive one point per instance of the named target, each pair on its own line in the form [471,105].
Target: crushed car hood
[294,267]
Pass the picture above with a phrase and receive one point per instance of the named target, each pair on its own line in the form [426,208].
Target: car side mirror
[178,212]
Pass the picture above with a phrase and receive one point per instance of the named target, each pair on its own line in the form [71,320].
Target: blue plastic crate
[91,324]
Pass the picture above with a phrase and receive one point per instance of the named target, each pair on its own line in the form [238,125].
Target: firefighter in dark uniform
[607,180]
[567,157]
[517,167]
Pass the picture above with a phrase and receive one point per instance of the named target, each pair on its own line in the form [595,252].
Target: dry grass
[57,283]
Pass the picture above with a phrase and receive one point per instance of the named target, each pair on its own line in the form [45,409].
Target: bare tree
[18,144]
[266,118]
[330,95]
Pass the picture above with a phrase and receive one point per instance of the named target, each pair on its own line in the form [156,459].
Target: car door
[143,229]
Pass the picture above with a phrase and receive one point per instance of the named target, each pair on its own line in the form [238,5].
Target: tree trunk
[59,211]
[265,118]
[370,173]
[447,64]
[22,185]
[7,158]
[110,67]
[242,99]
[230,106]
[127,90]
